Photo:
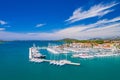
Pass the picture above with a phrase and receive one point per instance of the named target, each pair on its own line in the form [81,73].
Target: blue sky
[58,19]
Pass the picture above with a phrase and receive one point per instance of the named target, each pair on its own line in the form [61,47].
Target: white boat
[105,55]
[34,55]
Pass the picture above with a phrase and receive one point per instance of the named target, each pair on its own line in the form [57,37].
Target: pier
[55,62]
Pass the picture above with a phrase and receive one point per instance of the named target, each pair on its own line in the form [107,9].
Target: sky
[59,19]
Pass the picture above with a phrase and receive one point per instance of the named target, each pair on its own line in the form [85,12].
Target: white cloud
[40,25]
[103,29]
[91,31]
[2,22]
[2,29]
[95,11]
[4,35]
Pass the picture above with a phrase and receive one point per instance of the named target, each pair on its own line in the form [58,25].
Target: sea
[15,65]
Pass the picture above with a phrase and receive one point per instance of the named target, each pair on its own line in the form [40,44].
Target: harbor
[36,56]
[77,50]
[86,50]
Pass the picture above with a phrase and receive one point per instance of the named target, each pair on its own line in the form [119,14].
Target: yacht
[34,53]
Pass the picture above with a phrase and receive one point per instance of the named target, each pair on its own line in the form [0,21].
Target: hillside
[95,40]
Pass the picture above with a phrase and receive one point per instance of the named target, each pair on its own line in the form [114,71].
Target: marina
[35,56]
[76,50]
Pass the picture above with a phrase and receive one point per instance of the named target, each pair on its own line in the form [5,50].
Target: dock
[55,62]
[77,64]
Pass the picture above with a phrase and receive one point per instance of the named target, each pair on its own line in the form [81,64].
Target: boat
[34,54]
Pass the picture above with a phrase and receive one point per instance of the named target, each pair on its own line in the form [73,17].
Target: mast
[66,56]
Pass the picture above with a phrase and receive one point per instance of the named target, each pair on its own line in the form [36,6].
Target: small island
[1,41]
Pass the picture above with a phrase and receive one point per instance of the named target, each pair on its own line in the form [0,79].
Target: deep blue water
[15,65]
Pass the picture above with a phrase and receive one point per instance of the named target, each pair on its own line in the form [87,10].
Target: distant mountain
[68,40]
[114,38]
[110,38]
[96,39]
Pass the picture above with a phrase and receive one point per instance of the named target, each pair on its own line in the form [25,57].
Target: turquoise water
[15,65]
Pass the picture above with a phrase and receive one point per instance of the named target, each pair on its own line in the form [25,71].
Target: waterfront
[14,63]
